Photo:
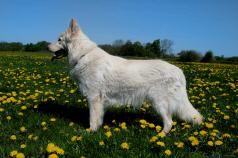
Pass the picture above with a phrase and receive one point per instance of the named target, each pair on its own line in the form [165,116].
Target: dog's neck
[78,48]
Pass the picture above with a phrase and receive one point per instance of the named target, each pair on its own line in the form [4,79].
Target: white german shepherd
[109,80]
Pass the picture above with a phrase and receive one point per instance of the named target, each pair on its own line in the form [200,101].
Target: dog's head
[60,47]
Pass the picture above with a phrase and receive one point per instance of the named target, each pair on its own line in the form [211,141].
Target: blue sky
[191,24]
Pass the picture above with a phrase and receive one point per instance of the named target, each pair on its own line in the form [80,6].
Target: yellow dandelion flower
[43,123]
[203,133]
[20,155]
[1,109]
[143,121]
[116,129]
[158,128]
[23,107]
[125,145]
[59,151]
[218,142]
[179,144]
[195,142]
[209,125]
[73,138]
[210,143]
[153,139]
[160,143]
[108,134]
[13,137]
[30,136]
[101,143]
[50,148]
[71,124]
[8,117]
[23,146]
[195,133]
[226,135]
[142,126]
[23,129]
[151,125]
[226,117]
[53,156]
[52,119]
[168,152]
[161,134]
[13,153]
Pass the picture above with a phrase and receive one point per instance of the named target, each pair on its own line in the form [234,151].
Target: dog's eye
[59,39]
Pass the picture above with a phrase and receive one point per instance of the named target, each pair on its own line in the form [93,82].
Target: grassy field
[42,114]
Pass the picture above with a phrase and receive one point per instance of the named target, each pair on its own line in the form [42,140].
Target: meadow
[42,114]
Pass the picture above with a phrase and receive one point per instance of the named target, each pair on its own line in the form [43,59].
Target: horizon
[200,26]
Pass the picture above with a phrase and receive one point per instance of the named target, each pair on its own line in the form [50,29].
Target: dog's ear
[73,28]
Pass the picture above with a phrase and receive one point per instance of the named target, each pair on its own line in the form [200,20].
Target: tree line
[29,47]
[156,49]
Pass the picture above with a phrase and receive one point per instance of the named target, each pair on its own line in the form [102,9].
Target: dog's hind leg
[96,112]
[161,106]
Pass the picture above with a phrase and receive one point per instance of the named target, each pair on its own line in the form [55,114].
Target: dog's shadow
[80,114]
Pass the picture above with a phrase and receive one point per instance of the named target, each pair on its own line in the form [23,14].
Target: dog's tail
[188,113]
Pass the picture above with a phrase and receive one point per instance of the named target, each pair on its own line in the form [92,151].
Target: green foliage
[208,57]
[30,47]
[189,56]
[30,80]
[13,46]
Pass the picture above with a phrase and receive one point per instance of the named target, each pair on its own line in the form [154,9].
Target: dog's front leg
[96,112]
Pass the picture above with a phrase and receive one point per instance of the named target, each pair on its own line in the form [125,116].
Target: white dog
[109,80]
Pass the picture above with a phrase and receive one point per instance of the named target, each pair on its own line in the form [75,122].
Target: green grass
[45,88]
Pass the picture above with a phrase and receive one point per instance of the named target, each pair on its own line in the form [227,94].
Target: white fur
[109,80]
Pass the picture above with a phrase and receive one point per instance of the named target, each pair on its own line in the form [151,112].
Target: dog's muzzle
[59,54]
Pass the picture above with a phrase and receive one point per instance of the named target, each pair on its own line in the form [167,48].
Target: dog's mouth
[59,54]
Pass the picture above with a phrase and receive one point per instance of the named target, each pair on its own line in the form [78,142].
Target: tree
[189,56]
[208,57]
[166,46]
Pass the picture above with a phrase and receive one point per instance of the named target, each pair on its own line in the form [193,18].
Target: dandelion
[158,128]
[50,148]
[168,152]
[1,109]
[43,123]
[20,155]
[218,142]
[195,142]
[52,119]
[123,125]
[13,153]
[108,134]
[210,143]
[226,135]
[116,129]
[226,117]
[23,146]
[179,144]
[209,125]
[151,125]
[13,137]
[161,134]
[101,143]
[23,129]
[53,156]
[153,139]
[73,138]
[8,117]
[71,124]
[203,133]
[159,143]
[23,107]
[125,145]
